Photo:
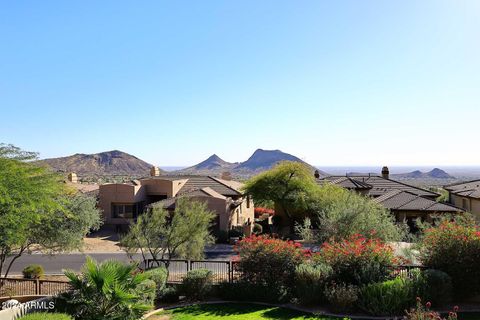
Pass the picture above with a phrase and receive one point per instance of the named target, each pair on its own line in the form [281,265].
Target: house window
[126,211]
[465,204]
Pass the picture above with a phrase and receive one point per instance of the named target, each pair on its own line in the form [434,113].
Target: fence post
[37,287]
[230,271]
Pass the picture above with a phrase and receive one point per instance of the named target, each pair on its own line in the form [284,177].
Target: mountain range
[120,163]
[436,173]
[104,163]
[259,161]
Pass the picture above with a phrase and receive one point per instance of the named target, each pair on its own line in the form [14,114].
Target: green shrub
[434,286]
[236,232]
[340,214]
[310,282]
[108,290]
[390,297]
[341,297]
[147,291]
[169,295]
[33,271]
[159,276]
[197,284]
[257,228]
[358,260]
[46,316]
[453,248]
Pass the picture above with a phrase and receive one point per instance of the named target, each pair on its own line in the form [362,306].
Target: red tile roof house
[121,203]
[406,202]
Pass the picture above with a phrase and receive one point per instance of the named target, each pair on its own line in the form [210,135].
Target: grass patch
[46,316]
[234,311]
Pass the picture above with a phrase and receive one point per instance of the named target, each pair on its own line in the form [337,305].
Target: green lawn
[233,311]
[46,316]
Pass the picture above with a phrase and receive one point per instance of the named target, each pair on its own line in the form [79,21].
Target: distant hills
[214,165]
[104,163]
[259,161]
[120,163]
[265,159]
[417,174]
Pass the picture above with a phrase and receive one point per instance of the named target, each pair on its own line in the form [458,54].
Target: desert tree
[165,235]
[37,209]
[288,187]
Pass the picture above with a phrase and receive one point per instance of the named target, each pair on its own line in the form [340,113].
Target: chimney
[317,174]
[154,172]
[385,172]
[72,177]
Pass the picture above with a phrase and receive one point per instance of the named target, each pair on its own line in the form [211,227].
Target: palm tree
[107,291]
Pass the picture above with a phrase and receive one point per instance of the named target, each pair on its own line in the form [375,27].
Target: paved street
[55,264]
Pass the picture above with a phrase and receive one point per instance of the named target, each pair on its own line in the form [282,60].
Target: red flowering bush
[260,211]
[422,312]
[358,260]
[454,248]
[269,263]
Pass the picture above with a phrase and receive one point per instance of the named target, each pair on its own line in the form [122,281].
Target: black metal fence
[407,270]
[222,271]
[226,271]
[24,287]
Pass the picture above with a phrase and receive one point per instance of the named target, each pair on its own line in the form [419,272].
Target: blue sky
[333,82]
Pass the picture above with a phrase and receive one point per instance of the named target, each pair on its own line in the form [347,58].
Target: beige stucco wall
[245,213]
[130,194]
[228,217]
[177,185]
[401,216]
[158,187]
[218,206]
[473,205]
[118,193]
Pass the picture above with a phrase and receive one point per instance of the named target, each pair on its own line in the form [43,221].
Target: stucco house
[465,195]
[405,201]
[121,203]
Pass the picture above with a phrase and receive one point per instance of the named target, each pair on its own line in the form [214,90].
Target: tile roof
[198,182]
[169,203]
[223,187]
[469,189]
[347,182]
[404,200]
[85,188]
[375,185]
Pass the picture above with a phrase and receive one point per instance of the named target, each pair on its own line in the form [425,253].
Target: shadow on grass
[220,310]
[241,309]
